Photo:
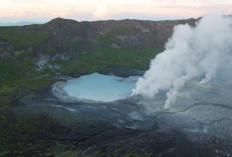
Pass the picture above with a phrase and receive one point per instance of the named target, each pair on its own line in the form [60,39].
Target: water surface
[98,87]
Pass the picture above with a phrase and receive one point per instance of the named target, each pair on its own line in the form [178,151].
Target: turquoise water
[98,87]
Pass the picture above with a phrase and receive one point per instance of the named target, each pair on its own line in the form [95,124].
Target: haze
[90,10]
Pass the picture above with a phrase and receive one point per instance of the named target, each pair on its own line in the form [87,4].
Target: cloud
[107,9]
[101,11]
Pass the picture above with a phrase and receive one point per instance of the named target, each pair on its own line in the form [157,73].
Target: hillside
[75,48]
[127,43]
[62,38]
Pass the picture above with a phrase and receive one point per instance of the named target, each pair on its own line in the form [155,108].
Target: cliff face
[60,39]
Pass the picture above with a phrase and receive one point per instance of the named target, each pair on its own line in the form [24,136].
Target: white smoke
[191,52]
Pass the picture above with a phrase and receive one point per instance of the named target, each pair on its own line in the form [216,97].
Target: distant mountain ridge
[61,39]
[23,23]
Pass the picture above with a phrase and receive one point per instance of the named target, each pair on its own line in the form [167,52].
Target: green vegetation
[12,69]
[69,154]
[80,45]
[134,155]
[110,37]
[21,87]
[50,50]
[122,30]
[27,135]
[23,54]
[39,82]
[103,59]
[18,77]
[20,37]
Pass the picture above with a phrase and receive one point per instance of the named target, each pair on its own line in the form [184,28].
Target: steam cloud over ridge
[191,53]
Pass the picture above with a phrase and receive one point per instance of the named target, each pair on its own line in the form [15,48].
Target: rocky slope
[62,38]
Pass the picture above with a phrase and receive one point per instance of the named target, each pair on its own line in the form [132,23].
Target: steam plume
[191,53]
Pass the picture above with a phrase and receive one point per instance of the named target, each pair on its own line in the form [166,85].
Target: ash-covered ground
[198,124]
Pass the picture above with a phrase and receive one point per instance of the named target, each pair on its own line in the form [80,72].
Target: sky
[92,10]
